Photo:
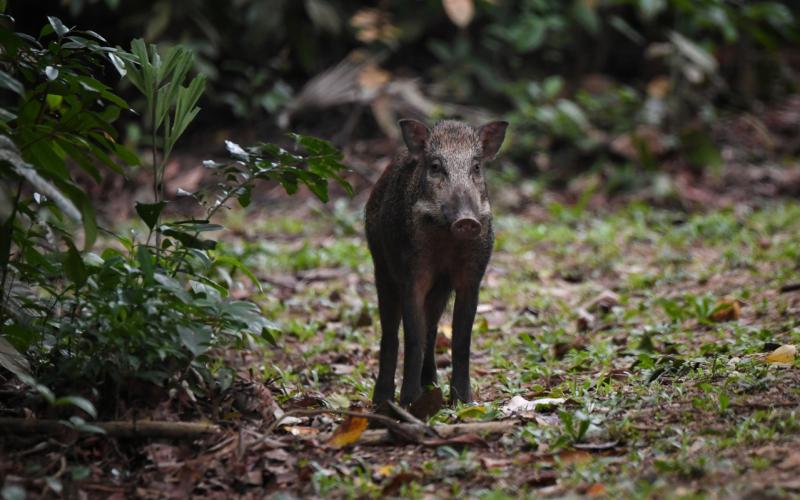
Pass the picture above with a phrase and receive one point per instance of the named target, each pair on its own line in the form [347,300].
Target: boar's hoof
[466,228]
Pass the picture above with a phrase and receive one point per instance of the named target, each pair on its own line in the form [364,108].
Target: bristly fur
[415,220]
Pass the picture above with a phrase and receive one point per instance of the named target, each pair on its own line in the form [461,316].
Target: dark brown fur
[429,230]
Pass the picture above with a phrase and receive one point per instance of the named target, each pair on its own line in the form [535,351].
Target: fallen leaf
[784,354]
[568,457]
[430,402]
[458,439]
[560,349]
[726,310]
[349,432]
[540,479]
[397,482]
[595,490]
[608,445]
[520,404]
[603,302]
[443,343]
[471,412]
[341,369]
[301,431]
[162,454]
[484,308]
[585,320]
[278,455]
[460,12]
[791,462]
[384,470]
[491,463]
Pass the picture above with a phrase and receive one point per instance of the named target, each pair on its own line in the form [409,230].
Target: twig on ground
[139,428]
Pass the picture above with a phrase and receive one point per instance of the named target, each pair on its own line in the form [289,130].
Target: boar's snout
[466,228]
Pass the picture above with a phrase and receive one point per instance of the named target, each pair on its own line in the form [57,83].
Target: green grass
[688,399]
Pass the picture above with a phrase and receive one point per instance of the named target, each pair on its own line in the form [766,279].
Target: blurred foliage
[573,74]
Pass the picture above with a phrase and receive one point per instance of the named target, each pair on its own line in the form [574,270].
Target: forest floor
[653,326]
[649,329]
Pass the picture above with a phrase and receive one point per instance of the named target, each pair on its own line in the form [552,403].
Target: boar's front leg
[413,338]
[463,316]
[434,306]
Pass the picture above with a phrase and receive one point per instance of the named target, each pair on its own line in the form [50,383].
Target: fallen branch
[382,436]
[123,429]
[414,433]
[407,432]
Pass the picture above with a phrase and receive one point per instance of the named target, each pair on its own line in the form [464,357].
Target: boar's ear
[492,135]
[415,134]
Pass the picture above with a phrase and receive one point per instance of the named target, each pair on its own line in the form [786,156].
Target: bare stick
[388,422]
[139,428]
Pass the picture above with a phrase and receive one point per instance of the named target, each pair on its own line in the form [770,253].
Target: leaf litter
[667,357]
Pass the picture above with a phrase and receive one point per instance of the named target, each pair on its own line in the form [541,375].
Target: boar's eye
[436,166]
[476,167]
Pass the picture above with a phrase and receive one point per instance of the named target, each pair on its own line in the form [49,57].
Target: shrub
[149,307]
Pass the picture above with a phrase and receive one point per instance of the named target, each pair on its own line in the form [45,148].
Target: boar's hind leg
[434,306]
[463,316]
[389,309]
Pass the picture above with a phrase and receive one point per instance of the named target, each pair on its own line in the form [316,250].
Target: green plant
[57,112]
[171,107]
[138,309]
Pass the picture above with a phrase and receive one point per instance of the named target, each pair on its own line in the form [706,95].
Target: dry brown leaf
[491,463]
[349,432]
[569,457]
[726,310]
[460,12]
[595,490]
[397,482]
[458,439]
[791,462]
[301,431]
[784,354]
[603,302]
[585,320]
[384,470]
[430,402]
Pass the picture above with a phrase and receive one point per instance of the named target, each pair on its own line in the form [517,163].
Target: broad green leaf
[74,268]
[173,286]
[89,223]
[150,212]
[229,260]
[51,72]
[82,403]
[9,153]
[118,63]
[11,83]
[195,339]
[145,260]
[12,360]
[58,26]
[189,240]
[43,390]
